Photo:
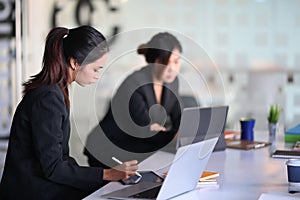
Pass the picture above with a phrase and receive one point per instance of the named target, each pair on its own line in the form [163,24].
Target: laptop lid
[186,169]
[201,123]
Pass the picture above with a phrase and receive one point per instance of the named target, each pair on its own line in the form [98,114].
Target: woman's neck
[155,78]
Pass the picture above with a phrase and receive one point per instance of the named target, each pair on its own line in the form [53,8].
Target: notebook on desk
[245,144]
[291,153]
[286,154]
[183,174]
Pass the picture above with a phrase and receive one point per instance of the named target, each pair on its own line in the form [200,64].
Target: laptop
[182,177]
[210,122]
[185,170]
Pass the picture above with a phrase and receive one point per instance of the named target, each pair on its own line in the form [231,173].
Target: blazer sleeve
[129,106]
[138,109]
[47,122]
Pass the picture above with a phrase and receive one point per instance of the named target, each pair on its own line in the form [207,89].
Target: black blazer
[38,165]
[126,125]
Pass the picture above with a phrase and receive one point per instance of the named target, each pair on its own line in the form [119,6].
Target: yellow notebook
[206,175]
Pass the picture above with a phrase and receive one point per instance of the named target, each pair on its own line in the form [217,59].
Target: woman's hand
[122,171]
[156,127]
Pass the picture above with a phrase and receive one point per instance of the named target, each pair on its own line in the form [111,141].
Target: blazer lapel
[165,101]
[148,88]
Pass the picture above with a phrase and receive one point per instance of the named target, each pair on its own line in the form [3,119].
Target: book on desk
[246,144]
[207,179]
[292,134]
[286,154]
[233,141]
[208,175]
[293,153]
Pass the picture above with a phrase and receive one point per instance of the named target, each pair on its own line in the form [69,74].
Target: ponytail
[54,68]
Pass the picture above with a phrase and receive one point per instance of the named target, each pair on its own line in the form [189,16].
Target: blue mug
[293,169]
[247,126]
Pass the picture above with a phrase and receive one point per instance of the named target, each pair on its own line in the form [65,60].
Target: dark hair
[159,48]
[83,44]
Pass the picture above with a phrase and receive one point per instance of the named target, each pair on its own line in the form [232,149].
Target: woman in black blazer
[144,114]
[38,164]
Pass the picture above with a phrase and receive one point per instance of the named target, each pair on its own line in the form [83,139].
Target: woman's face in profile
[90,73]
[173,67]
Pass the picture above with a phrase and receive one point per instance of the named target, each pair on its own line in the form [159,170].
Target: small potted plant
[273,118]
[274,113]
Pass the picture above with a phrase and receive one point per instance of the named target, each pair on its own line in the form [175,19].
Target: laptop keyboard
[148,194]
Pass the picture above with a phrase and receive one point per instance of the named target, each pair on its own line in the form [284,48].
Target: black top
[125,129]
[38,164]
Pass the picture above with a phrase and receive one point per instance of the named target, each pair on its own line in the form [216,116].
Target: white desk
[243,175]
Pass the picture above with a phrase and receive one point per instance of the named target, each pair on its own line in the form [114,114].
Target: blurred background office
[244,53]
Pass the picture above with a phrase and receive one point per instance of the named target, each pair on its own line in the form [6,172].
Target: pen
[258,146]
[120,162]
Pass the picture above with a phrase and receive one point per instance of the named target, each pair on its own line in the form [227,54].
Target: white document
[279,196]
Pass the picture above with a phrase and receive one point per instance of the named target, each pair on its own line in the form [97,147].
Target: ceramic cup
[247,126]
[293,170]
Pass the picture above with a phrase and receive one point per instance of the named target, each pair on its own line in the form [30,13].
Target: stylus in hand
[120,162]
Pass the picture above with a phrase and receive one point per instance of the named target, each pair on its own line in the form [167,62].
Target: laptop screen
[198,124]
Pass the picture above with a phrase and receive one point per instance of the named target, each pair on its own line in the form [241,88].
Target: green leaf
[274,113]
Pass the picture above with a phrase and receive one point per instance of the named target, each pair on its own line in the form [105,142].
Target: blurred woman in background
[144,114]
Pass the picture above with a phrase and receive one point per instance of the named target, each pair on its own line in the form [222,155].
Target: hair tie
[66,35]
